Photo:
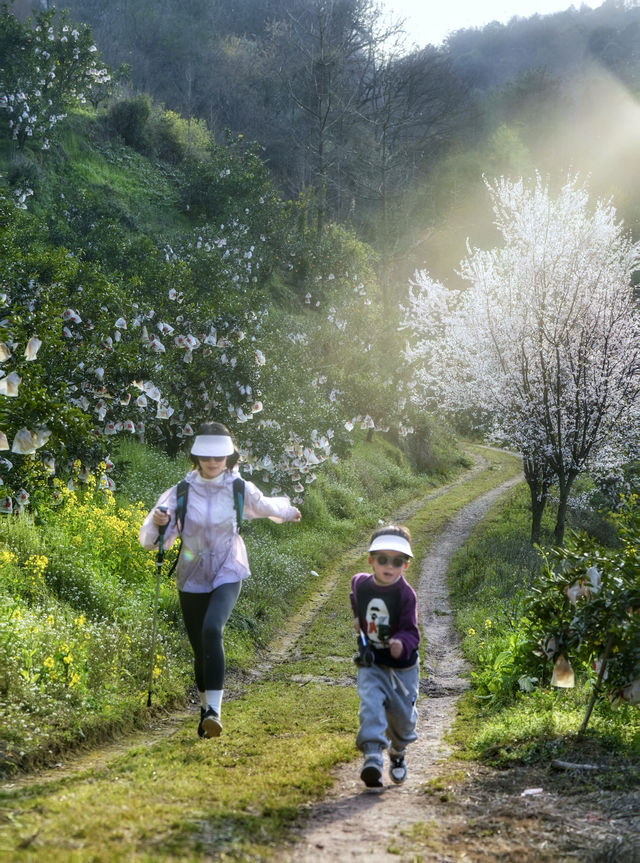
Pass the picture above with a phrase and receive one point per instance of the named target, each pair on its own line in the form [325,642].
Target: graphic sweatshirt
[385,612]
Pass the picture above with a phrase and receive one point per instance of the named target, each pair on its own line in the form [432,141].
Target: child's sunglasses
[384,559]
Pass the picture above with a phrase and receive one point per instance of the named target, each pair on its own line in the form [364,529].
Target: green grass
[186,798]
[237,797]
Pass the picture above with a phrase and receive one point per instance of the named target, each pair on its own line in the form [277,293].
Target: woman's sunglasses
[384,559]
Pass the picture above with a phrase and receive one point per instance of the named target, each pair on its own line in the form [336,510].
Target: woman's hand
[160,517]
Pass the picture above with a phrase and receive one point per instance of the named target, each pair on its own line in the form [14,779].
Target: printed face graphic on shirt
[377,617]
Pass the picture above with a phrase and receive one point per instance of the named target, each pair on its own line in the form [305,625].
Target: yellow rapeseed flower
[17,614]
[80,621]
[471,631]
[37,563]
[6,556]
[68,658]
[488,624]
[49,663]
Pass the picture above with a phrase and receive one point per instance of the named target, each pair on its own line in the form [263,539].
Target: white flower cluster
[297,462]
[45,84]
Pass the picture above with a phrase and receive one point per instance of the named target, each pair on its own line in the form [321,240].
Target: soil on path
[447,811]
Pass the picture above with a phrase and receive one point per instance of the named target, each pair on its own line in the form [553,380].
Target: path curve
[357,825]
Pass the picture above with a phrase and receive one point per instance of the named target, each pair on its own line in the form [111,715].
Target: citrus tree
[48,66]
[583,614]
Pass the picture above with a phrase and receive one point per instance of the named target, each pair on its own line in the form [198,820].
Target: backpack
[182,495]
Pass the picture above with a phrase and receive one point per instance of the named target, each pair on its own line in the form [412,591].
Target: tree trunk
[597,688]
[565,484]
[538,483]
[538,504]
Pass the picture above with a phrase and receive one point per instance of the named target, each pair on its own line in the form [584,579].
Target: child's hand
[356,625]
[395,648]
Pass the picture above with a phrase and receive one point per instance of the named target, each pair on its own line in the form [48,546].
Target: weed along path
[353,823]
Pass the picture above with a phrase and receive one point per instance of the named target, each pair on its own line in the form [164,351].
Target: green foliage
[232,182]
[142,472]
[174,138]
[129,119]
[585,607]
[48,67]
[430,447]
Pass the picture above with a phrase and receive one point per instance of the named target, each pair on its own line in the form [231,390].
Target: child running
[386,620]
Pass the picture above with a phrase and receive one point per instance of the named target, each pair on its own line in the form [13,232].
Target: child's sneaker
[211,724]
[397,769]
[371,773]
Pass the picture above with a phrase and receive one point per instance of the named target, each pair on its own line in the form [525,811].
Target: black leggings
[205,616]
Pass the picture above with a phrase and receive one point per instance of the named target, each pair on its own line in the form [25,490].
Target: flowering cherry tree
[543,346]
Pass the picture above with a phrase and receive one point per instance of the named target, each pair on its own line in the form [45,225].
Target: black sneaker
[371,773]
[200,728]
[211,724]
[397,769]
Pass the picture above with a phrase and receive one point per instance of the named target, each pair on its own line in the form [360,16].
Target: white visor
[391,542]
[212,445]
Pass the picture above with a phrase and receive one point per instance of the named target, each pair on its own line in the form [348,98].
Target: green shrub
[174,138]
[129,118]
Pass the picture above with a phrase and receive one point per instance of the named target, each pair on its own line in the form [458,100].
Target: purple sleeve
[354,586]
[407,631]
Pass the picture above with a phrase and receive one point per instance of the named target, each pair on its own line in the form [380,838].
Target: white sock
[214,699]
[203,699]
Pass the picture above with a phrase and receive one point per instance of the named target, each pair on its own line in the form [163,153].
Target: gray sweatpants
[388,712]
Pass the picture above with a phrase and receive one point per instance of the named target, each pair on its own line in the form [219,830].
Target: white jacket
[213,552]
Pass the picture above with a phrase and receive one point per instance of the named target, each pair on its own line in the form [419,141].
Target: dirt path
[355,824]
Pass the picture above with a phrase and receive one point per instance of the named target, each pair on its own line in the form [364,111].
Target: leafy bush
[585,610]
[174,138]
[129,118]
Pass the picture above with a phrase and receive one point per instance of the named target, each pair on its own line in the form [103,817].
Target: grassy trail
[171,796]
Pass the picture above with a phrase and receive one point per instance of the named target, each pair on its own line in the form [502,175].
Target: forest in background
[389,138]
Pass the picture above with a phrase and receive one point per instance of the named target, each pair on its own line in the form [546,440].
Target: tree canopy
[543,344]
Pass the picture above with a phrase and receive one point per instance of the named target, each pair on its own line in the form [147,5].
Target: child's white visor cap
[391,542]
[216,445]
